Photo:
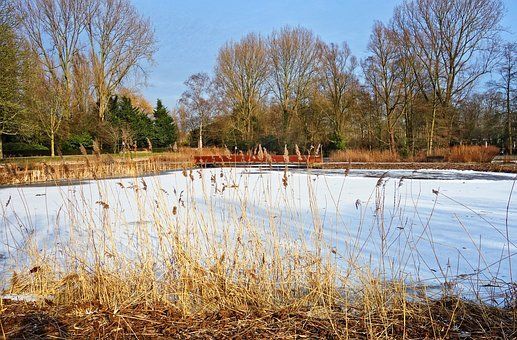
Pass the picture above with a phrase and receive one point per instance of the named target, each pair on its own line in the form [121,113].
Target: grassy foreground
[446,318]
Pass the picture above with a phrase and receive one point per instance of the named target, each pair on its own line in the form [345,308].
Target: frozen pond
[429,226]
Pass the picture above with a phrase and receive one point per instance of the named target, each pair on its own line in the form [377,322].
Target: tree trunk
[510,139]
[393,148]
[1,147]
[103,107]
[200,142]
[431,133]
[285,123]
[409,138]
[391,127]
[248,126]
[509,120]
[52,145]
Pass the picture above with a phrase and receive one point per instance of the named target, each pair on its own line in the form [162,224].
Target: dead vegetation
[455,154]
[362,155]
[179,272]
[447,318]
[95,166]
[98,166]
[470,154]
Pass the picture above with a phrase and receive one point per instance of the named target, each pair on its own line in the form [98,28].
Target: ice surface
[424,225]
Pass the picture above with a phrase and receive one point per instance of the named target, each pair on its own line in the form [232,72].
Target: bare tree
[383,74]
[82,91]
[422,50]
[50,115]
[198,102]
[241,74]
[44,103]
[181,116]
[137,99]
[120,41]
[293,56]
[408,66]
[507,84]
[454,42]
[53,28]
[338,84]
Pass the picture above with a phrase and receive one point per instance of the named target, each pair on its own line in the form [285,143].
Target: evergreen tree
[165,129]
[125,116]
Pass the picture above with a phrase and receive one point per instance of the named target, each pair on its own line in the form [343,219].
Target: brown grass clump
[362,155]
[464,154]
[456,154]
[446,318]
[472,154]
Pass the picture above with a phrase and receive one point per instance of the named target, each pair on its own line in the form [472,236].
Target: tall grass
[228,256]
[472,154]
[363,155]
[455,154]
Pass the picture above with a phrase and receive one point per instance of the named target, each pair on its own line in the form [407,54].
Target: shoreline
[449,317]
[66,173]
[483,167]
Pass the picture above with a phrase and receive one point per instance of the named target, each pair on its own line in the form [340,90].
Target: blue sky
[189,33]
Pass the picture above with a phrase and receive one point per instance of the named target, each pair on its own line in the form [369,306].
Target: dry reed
[96,166]
[183,271]
[472,154]
[456,154]
[362,155]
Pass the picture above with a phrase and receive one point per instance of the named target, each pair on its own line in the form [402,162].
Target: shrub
[74,142]
[271,143]
[21,149]
[337,143]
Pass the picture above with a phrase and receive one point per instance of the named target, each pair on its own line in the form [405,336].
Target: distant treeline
[437,74]
[421,86]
